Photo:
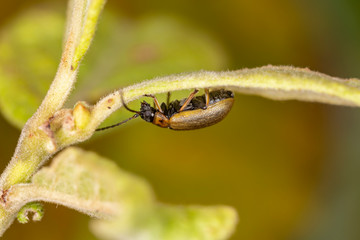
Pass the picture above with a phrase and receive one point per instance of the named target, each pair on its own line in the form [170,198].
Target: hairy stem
[278,83]
[35,143]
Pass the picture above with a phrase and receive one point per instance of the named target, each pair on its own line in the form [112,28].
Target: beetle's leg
[168,99]
[207,97]
[155,101]
[191,96]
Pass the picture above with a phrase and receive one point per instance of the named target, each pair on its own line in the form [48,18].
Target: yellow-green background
[291,169]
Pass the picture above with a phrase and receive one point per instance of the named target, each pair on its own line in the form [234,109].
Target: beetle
[193,112]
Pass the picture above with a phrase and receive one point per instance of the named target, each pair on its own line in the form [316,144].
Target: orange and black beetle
[187,114]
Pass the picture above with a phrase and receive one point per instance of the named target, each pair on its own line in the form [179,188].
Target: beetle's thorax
[161,120]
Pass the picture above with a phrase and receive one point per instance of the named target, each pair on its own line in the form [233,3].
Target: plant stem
[31,150]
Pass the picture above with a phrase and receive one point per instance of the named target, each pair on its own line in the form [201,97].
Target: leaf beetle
[193,112]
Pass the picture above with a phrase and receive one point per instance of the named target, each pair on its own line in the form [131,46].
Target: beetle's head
[147,112]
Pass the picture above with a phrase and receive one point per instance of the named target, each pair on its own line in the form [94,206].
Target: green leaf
[124,203]
[92,184]
[173,223]
[274,82]
[124,51]
[278,83]
[30,49]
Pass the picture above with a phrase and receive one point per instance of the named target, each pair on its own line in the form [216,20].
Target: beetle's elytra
[186,114]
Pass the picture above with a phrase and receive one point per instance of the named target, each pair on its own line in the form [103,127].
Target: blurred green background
[291,169]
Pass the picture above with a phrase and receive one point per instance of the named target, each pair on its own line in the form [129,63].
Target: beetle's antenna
[115,125]
[125,106]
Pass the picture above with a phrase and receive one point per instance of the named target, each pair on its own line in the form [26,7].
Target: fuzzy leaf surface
[274,82]
[123,203]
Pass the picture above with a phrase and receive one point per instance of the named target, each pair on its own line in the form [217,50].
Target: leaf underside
[123,203]
[274,82]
